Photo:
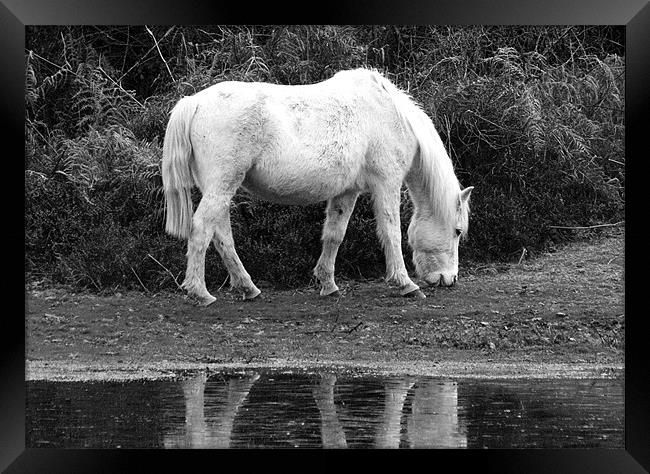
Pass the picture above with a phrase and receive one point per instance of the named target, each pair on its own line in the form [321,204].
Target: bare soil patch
[565,307]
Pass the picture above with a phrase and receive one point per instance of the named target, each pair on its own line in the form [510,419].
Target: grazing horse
[353,133]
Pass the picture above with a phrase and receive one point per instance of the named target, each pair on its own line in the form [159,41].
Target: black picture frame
[16,14]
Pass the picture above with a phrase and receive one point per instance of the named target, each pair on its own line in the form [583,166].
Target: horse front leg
[386,207]
[337,215]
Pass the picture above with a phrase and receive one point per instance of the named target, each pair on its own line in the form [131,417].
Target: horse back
[301,143]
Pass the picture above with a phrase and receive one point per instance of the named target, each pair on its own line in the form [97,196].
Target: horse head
[435,241]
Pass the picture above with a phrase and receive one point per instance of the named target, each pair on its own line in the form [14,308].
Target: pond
[303,409]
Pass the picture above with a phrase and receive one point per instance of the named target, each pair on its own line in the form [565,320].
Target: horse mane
[434,164]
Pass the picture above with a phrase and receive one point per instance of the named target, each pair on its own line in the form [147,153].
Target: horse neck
[423,205]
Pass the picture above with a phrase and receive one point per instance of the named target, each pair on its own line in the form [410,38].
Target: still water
[281,409]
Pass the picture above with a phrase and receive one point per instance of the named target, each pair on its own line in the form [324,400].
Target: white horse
[353,133]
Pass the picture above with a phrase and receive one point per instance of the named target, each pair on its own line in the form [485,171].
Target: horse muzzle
[441,279]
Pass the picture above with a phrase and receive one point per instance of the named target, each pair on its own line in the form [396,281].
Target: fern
[99,102]
[507,63]
[31,94]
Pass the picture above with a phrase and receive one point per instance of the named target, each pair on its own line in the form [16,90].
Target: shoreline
[63,371]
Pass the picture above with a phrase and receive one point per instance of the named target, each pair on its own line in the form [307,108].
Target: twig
[33,127]
[523,254]
[136,275]
[587,227]
[99,66]
[160,53]
[163,267]
[93,282]
[142,60]
[359,324]
[63,68]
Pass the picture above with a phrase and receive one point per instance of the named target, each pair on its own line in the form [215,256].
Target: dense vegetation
[531,116]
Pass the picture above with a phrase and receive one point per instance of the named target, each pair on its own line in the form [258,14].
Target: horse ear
[464,194]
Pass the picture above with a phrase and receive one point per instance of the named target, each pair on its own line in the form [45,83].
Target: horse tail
[176,173]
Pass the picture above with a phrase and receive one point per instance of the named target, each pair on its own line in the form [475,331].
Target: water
[306,410]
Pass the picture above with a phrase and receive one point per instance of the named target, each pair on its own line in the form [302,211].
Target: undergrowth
[531,116]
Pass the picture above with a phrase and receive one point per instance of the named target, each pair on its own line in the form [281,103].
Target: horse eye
[459,231]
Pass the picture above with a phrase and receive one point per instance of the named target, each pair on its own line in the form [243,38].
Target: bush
[531,116]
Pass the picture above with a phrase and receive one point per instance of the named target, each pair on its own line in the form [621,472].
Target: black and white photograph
[308,236]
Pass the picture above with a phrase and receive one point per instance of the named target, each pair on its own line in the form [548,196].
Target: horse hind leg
[203,225]
[211,221]
[337,215]
[224,243]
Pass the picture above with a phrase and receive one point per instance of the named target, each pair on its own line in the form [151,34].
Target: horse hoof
[206,300]
[333,294]
[415,294]
[252,294]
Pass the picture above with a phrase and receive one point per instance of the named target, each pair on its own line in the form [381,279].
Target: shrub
[531,116]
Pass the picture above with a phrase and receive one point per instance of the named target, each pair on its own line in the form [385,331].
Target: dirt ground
[561,313]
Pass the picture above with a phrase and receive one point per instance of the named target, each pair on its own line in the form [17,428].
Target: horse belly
[300,183]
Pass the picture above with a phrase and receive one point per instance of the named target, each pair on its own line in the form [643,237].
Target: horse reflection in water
[217,433]
[431,422]
[434,419]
